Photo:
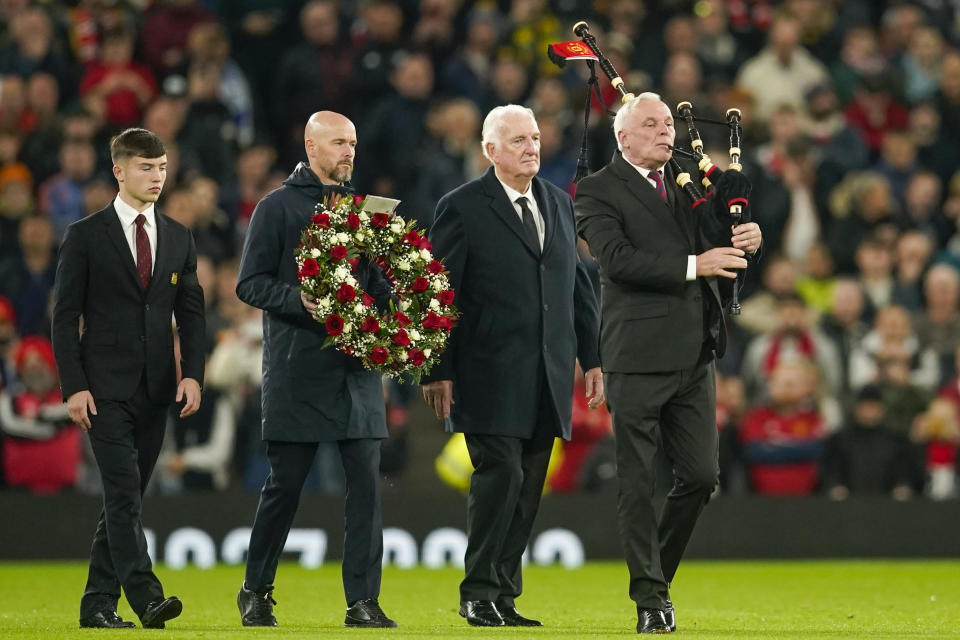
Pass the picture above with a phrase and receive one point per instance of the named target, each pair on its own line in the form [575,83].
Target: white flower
[404,305]
[325,303]
[426,255]
[427,352]
[341,273]
[343,238]
[350,280]
[358,308]
[414,334]
[403,356]
[348,327]
[315,253]
[403,265]
[364,216]
[435,304]
[359,236]
[396,227]
[437,284]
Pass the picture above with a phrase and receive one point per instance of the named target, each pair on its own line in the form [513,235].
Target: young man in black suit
[662,313]
[126,270]
[528,313]
[312,394]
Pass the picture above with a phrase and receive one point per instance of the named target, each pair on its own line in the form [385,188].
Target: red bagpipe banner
[560,52]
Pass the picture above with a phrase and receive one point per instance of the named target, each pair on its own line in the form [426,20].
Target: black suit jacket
[519,308]
[127,332]
[653,319]
[310,393]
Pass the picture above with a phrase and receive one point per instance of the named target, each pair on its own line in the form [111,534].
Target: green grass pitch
[806,599]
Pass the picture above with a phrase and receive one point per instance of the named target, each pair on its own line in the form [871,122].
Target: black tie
[528,222]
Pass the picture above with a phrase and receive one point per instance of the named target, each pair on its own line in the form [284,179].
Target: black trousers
[125,438]
[682,405]
[504,496]
[290,463]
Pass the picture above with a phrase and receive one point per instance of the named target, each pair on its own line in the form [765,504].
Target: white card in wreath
[378,204]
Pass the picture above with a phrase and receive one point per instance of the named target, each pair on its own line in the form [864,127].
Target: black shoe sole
[370,625]
[169,610]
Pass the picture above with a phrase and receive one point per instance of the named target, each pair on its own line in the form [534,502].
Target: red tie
[144,261]
[658,183]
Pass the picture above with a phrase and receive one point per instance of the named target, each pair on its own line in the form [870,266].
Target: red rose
[434,267]
[401,338]
[380,220]
[367,299]
[378,355]
[334,325]
[358,200]
[444,323]
[402,319]
[353,221]
[309,268]
[370,324]
[445,297]
[345,293]
[353,262]
[420,284]
[424,244]
[416,357]
[412,237]
[431,321]
[322,220]
[338,253]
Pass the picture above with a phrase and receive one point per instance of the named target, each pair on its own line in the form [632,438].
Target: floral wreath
[412,335]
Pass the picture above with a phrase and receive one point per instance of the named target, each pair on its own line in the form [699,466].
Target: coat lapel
[164,249]
[548,209]
[502,206]
[115,232]
[644,191]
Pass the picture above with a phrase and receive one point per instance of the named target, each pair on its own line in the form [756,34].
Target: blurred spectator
[207,141]
[875,272]
[33,48]
[899,22]
[913,252]
[793,338]
[683,80]
[26,279]
[115,86]
[509,84]
[720,53]
[947,98]
[468,71]
[922,209]
[61,197]
[8,339]
[898,161]
[41,447]
[873,112]
[893,343]
[194,206]
[534,27]
[759,314]
[589,427]
[921,64]
[731,406]
[13,103]
[816,284]
[557,165]
[782,441]
[866,457]
[380,48]
[936,148]
[253,167]
[938,431]
[860,57]
[313,74]
[208,45]
[843,325]
[16,203]
[166,31]
[43,131]
[862,207]
[938,324]
[783,71]
[435,32]
[43,98]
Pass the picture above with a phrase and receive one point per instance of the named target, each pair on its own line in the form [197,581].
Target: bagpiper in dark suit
[662,309]
[125,271]
[528,313]
[311,394]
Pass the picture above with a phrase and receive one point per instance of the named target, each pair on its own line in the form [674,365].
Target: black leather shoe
[669,617]
[481,613]
[256,609]
[651,621]
[160,611]
[367,613]
[512,618]
[105,620]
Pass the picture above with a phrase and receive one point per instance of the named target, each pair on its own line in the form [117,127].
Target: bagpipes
[727,192]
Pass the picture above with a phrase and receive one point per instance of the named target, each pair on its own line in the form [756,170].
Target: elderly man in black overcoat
[311,394]
[506,379]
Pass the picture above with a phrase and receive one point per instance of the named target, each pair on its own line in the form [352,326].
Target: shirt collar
[128,214]
[513,194]
[644,172]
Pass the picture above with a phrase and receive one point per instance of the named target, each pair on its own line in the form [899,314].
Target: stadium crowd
[841,374]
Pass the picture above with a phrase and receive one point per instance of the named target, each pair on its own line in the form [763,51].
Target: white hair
[493,123]
[620,119]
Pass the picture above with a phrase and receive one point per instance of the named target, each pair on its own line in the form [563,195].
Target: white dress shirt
[128,216]
[513,194]
[691,259]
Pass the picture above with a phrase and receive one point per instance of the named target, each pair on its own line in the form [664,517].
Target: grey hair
[620,118]
[492,123]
